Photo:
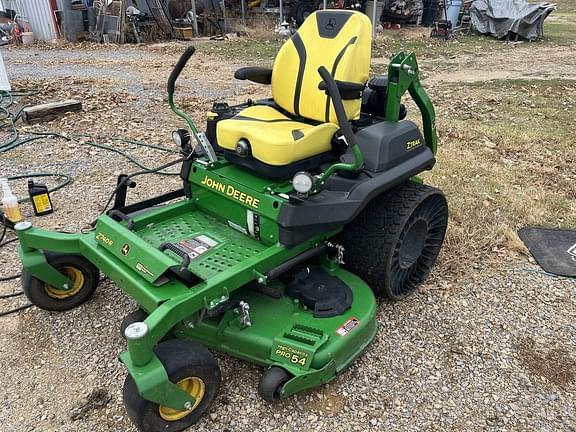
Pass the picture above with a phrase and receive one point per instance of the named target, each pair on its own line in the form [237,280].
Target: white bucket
[27,38]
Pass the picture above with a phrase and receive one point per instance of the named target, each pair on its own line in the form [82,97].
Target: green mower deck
[313,354]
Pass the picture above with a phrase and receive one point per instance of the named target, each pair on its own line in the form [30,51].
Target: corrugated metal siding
[39,15]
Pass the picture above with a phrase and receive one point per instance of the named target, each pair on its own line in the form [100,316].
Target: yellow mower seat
[274,138]
[339,40]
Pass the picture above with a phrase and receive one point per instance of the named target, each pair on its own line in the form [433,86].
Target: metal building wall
[38,13]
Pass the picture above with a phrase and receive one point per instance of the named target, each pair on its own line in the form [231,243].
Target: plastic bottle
[10,205]
[40,198]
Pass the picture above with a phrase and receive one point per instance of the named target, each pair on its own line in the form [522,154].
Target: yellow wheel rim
[77,279]
[195,387]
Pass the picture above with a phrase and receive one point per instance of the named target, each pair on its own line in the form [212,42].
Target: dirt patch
[327,403]
[96,400]
[552,363]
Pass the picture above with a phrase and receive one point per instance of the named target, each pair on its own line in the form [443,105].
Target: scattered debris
[49,111]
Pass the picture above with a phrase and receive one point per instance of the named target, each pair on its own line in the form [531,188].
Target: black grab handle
[178,68]
[174,248]
[118,215]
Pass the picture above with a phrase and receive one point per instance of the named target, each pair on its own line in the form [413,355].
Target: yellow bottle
[10,204]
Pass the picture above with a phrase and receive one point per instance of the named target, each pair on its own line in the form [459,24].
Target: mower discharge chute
[295,212]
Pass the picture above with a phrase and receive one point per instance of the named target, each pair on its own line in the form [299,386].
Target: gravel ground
[493,350]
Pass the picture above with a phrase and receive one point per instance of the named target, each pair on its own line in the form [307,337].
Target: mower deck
[312,349]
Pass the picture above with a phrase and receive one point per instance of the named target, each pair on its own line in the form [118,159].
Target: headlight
[181,138]
[302,182]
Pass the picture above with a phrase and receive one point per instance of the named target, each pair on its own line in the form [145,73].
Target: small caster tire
[190,366]
[137,315]
[271,384]
[83,274]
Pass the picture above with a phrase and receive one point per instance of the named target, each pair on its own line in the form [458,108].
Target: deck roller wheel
[271,383]
[191,367]
[394,242]
[83,274]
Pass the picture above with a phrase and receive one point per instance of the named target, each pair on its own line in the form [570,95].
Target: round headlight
[302,182]
[181,137]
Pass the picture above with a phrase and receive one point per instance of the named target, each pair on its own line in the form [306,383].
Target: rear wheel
[302,10]
[394,242]
[83,274]
[192,368]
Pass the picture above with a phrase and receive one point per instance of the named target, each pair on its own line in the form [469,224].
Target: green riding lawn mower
[296,213]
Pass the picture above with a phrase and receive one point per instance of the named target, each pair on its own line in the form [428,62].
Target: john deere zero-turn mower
[295,212]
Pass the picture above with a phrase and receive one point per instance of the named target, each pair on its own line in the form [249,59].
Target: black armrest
[348,90]
[255,74]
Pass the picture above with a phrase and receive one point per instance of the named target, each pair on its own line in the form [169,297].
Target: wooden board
[49,111]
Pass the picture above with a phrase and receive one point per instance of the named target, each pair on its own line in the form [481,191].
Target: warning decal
[347,327]
[196,246]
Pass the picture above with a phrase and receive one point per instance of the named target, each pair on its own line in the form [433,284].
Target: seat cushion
[339,40]
[274,138]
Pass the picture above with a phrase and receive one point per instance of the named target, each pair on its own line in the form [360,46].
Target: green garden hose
[8,124]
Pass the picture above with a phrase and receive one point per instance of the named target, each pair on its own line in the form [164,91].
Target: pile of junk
[14,28]
[502,19]
[141,21]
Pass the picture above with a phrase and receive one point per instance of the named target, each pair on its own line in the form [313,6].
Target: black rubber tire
[301,10]
[36,290]
[411,214]
[137,315]
[181,359]
[271,382]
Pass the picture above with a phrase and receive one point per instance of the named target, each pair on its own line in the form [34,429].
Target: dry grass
[506,160]
[259,27]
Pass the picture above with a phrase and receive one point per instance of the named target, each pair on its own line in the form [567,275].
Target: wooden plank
[50,111]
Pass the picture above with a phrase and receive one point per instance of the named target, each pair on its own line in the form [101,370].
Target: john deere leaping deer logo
[125,249]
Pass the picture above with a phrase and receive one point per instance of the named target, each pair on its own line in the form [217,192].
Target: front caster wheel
[192,368]
[271,383]
[83,274]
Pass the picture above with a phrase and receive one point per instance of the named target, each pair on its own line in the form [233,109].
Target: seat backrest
[339,40]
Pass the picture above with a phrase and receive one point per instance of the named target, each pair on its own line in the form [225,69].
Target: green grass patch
[427,47]
[561,29]
[244,51]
